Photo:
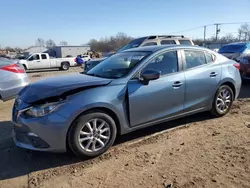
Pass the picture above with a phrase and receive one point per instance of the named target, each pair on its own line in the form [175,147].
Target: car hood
[59,85]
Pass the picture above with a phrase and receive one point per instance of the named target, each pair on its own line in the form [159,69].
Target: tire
[25,68]
[218,103]
[82,149]
[65,66]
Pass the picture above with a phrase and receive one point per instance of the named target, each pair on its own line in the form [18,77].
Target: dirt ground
[196,151]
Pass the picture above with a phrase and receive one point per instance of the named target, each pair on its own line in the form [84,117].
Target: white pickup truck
[44,61]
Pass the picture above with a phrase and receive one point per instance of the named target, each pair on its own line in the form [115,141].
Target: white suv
[157,40]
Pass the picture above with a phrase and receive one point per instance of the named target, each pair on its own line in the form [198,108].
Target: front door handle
[213,74]
[177,84]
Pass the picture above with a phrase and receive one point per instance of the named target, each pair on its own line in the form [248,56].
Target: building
[63,51]
[34,49]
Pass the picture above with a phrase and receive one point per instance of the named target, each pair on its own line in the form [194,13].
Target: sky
[78,21]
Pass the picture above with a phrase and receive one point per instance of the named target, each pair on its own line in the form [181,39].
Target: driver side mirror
[148,75]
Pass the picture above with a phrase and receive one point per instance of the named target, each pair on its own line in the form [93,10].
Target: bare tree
[228,38]
[50,43]
[63,43]
[8,48]
[108,44]
[244,32]
[40,42]
[17,49]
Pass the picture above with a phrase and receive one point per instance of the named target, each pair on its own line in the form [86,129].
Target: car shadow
[17,162]
[42,70]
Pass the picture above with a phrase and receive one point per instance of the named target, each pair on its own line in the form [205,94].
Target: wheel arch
[110,112]
[230,83]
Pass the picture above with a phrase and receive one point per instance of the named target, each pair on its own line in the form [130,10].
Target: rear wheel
[92,134]
[65,66]
[223,101]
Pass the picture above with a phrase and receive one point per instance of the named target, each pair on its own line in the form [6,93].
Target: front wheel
[223,101]
[92,134]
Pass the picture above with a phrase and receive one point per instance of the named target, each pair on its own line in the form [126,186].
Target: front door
[161,98]
[34,62]
[202,76]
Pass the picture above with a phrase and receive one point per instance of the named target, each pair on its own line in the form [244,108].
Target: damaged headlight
[43,110]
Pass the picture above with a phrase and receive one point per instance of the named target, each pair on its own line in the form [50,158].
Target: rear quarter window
[209,57]
[187,42]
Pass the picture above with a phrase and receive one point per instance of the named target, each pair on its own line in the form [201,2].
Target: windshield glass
[234,48]
[117,65]
[135,43]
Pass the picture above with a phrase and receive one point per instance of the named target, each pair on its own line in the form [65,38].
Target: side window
[34,57]
[44,56]
[165,63]
[209,58]
[194,58]
[150,44]
[187,42]
[167,42]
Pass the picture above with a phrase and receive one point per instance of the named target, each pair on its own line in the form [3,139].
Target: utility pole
[217,31]
[205,27]
[240,32]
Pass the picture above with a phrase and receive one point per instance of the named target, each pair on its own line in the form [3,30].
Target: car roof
[237,43]
[161,47]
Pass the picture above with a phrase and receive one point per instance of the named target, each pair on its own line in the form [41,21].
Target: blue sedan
[128,91]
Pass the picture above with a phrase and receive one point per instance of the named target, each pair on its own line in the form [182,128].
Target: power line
[194,28]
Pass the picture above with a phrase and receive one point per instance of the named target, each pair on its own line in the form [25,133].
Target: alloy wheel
[94,135]
[224,100]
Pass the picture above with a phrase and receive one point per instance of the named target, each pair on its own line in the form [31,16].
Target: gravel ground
[197,151]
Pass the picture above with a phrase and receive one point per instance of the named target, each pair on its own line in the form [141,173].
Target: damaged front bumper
[46,133]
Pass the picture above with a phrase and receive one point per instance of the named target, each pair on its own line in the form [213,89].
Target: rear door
[45,61]
[202,78]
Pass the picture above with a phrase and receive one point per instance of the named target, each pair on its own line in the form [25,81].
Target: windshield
[234,48]
[117,65]
[135,43]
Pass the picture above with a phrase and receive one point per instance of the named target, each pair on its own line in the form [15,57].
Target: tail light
[13,68]
[75,59]
[237,66]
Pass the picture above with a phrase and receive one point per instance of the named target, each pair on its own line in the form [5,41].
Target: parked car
[154,41]
[92,63]
[245,67]
[128,91]
[12,79]
[44,61]
[157,40]
[235,50]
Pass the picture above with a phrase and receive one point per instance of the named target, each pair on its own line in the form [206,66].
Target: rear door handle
[213,74]
[177,84]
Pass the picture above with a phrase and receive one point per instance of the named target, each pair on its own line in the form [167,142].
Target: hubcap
[65,67]
[223,100]
[94,135]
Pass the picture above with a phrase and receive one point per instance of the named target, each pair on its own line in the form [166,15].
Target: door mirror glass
[149,74]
